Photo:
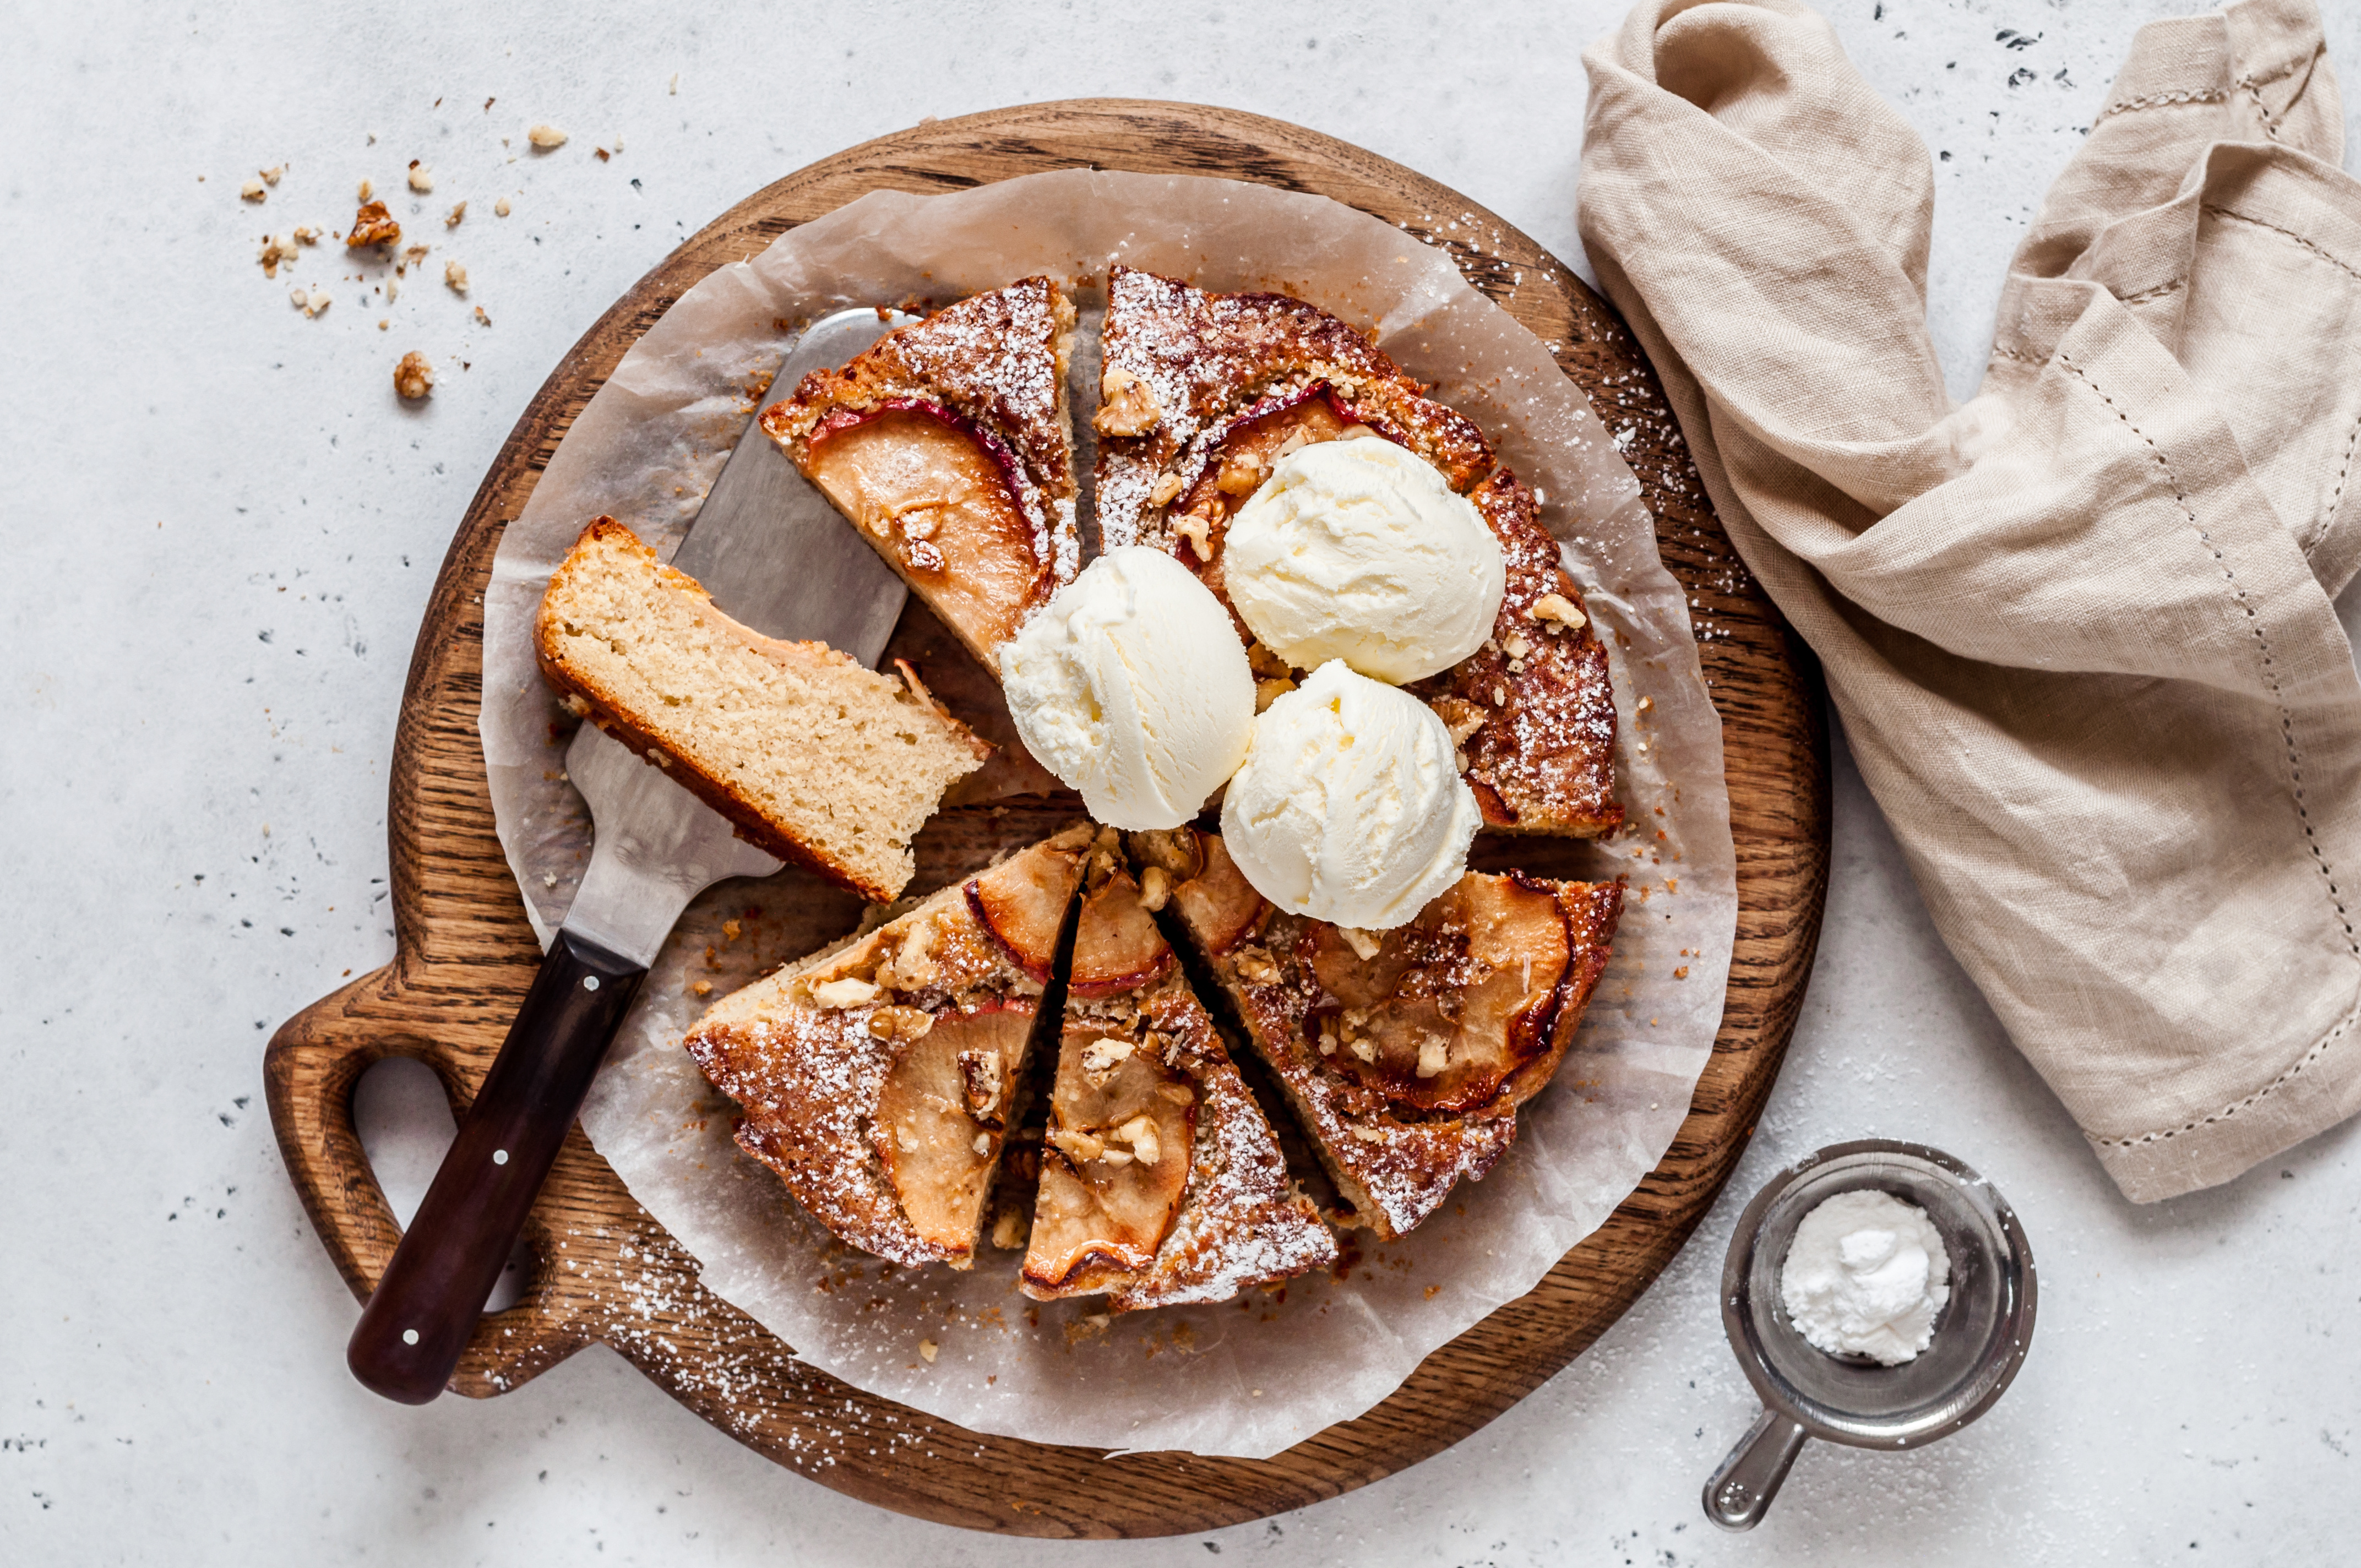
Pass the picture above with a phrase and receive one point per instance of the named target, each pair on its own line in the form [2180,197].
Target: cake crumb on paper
[252,191]
[500,208]
[413,378]
[457,213]
[456,276]
[481,318]
[546,138]
[422,178]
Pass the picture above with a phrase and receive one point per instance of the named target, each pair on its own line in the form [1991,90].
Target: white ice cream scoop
[1132,688]
[1350,806]
[1358,550]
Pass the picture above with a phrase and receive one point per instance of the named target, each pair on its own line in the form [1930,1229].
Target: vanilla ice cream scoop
[1349,807]
[1358,550]
[1132,688]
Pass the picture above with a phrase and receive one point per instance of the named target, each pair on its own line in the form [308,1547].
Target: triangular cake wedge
[811,754]
[947,443]
[1202,393]
[1162,1184]
[879,1081]
[1406,1052]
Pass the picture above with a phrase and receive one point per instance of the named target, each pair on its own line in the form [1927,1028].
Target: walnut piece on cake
[811,754]
[1405,1053]
[880,1080]
[945,444]
[1202,394]
[1161,1182]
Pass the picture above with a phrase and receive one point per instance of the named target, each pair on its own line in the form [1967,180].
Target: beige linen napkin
[2078,628]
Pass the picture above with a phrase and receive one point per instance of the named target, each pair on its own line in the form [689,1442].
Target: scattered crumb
[930,1350]
[271,176]
[456,276]
[702,987]
[674,88]
[252,191]
[413,378]
[600,153]
[500,208]
[457,212]
[275,248]
[310,301]
[422,178]
[306,235]
[546,138]
[372,226]
[392,291]
[481,318]
[367,191]
[383,325]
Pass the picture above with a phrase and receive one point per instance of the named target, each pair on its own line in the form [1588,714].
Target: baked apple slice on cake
[1161,1183]
[878,1079]
[1202,394]
[1405,1052]
[947,445]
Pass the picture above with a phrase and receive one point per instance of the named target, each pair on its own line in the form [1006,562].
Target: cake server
[776,556]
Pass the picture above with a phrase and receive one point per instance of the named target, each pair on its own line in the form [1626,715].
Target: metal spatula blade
[777,557]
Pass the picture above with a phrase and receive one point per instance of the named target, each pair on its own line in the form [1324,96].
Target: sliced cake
[811,755]
[1405,1052]
[1161,1182]
[879,1081]
[1202,393]
[947,443]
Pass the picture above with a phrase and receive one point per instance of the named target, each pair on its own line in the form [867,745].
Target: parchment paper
[1247,1378]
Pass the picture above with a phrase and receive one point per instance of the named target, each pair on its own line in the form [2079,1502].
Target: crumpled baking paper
[1254,1377]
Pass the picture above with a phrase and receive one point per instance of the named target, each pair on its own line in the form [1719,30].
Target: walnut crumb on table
[457,213]
[422,178]
[456,276]
[546,138]
[372,225]
[252,191]
[413,378]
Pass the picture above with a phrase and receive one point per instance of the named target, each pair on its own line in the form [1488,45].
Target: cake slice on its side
[879,1081]
[1406,1052]
[1161,1183]
[812,756]
[1201,394]
[947,445]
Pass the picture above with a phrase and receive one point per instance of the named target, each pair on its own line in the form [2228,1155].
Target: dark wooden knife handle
[419,1318]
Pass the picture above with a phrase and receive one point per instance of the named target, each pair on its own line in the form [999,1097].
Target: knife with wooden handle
[775,556]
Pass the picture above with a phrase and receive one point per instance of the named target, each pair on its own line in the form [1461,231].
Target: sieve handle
[1739,1493]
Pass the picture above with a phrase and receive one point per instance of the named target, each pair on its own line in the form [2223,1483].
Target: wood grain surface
[604,1271]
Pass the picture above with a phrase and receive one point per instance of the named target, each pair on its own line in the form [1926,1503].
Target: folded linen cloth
[2078,628]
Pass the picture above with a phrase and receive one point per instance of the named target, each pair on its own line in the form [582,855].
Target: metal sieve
[1981,1333]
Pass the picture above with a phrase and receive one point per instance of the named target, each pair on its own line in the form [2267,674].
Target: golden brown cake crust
[813,1068]
[1394,1158]
[1237,1219]
[590,699]
[993,364]
[1200,391]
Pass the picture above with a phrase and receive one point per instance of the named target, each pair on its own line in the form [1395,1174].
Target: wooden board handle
[310,1071]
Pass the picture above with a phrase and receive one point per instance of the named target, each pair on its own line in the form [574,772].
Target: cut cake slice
[1201,394]
[879,1080]
[812,756]
[1161,1182]
[947,445]
[1405,1052]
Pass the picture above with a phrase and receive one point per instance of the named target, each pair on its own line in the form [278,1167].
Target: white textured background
[220,527]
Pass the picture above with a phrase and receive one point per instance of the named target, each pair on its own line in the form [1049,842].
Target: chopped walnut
[1101,1057]
[1556,613]
[457,214]
[1080,1147]
[1297,440]
[1240,476]
[900,1023]
[1270,691]
[1515,647]
[1127,404]
[1365,944]
[982,1145]
[367,192]
[1155,888]
[1167,487]
[1198,531]
[1009,1230]
[271,176]
[1369,1134]
[1433,1056]
[914,966]
[1363,1050]
[252,191]
[1179,1093]
[311,301]
[702,987]
[1140,1134]
[980,1083]
[849,991]
[422,178]
[372,226]
[306,235]
[500,208]
[275,248]
[930,1349]
[1256,966]
[455,277]
[1460,718]
[546,138]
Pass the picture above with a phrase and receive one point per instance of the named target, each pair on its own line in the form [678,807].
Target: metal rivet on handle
[589,982]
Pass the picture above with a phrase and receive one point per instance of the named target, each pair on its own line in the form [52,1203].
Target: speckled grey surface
[221,529]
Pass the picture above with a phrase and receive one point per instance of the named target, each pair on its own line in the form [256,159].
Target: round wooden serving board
[604,1271]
